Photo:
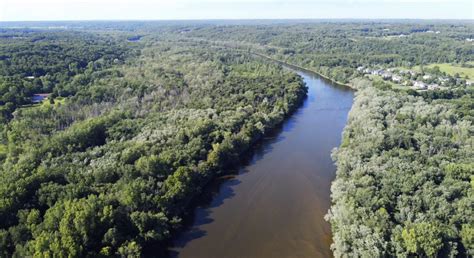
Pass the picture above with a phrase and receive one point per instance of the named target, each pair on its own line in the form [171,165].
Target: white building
[426,77]
[396,78]
[386,75]
[419,85]
[377,72]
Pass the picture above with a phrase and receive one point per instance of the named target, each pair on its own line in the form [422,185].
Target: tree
[422,238]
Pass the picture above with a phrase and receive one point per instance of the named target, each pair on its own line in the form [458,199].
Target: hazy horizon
[245,20]
[142,10]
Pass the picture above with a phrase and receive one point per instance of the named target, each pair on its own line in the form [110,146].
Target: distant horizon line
[244,19]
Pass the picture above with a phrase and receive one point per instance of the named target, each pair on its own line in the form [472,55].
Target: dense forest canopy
[111,170]
[142,115]
[336,49]
[405,178]
[47,61]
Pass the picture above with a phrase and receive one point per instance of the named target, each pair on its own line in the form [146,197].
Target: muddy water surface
[275,205]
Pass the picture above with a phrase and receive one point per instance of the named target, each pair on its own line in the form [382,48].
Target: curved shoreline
[303,69]
[294,66]
[275,205]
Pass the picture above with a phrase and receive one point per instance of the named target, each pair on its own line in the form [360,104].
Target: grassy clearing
[452,69]
[57,101]
[45,103]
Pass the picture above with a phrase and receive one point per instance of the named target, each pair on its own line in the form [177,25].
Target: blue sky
[18,10]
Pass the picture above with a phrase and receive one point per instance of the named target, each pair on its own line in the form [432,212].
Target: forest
[405,179]
[405,169]
[336,49]
[141,116]
[46,62]
[111,171]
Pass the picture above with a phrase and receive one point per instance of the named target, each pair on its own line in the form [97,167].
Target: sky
[43,10]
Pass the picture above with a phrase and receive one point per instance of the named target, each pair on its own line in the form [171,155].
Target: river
[275,205]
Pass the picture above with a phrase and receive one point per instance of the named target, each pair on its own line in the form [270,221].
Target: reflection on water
[274,206]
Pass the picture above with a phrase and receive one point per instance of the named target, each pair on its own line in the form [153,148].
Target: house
[419,85]
[377,72]
[443,80]
[386,75]
[433,86]
[426,77]
[360,68]
[396,78]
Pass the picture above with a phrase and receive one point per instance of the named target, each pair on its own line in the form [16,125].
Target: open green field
[45,103]
[452,69]
[57,101]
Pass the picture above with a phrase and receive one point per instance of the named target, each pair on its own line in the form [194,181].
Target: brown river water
[275,205]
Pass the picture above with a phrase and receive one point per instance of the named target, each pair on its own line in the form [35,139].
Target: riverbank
[275,205]
[236,47]
[226,158]
[304,69]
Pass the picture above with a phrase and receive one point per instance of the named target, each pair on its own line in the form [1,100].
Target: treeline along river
[275,205]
